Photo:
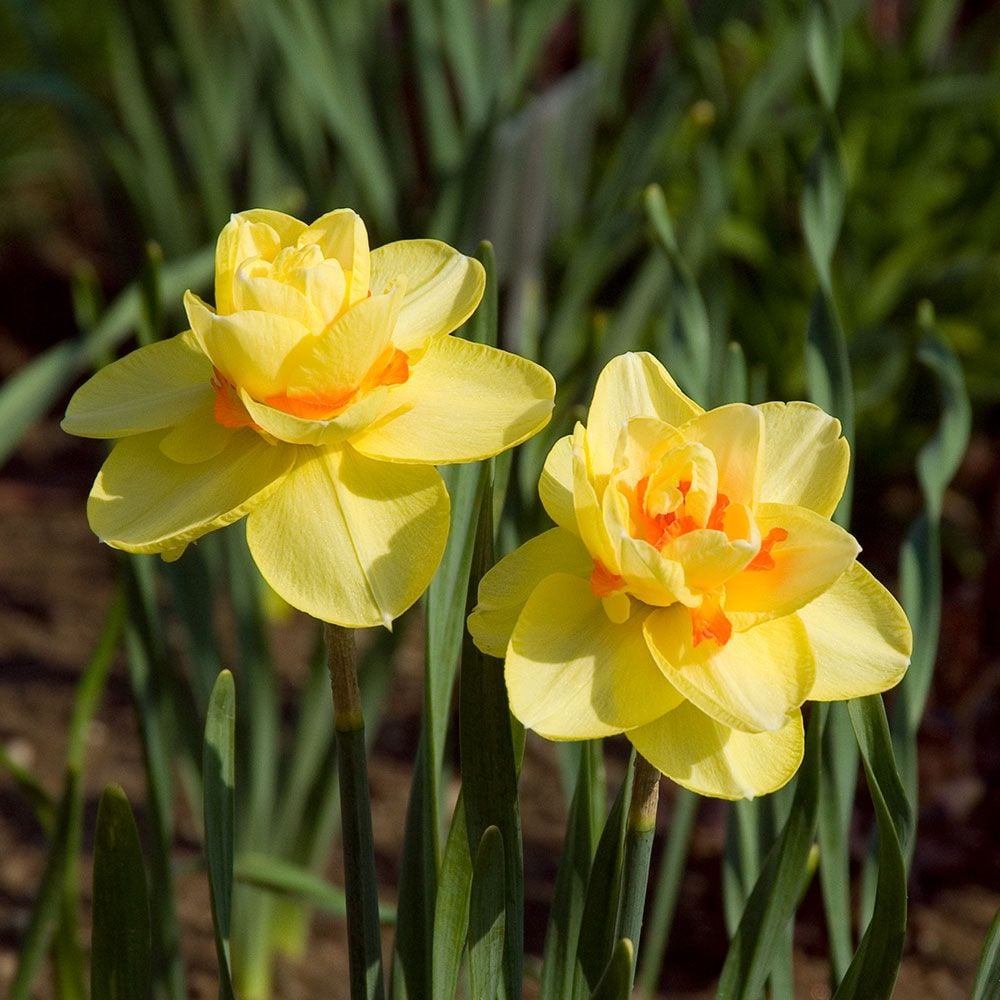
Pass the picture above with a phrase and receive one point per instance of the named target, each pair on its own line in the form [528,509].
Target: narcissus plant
[695,591]
[315,399]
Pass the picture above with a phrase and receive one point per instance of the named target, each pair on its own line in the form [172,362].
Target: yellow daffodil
[695,591]
[315,399]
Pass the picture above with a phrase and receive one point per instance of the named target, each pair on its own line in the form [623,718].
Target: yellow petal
[336,362]
[631,385]
[591,521]
[752,683]
[504,590]
[572,674]
[462,402]
[699,753]
[144,502]
[651,577]
[196,438]
[325,286]
[555,485]
[299,430]
[342,235]
[257,233]
[153,387]
[734,435]
[251,349]
[806,461]
[860,638]
[264,294]
[710,558]
[443,287]
[349,540]
[806,563]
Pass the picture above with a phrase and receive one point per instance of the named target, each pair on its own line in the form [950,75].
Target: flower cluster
[695,591]
[315,399]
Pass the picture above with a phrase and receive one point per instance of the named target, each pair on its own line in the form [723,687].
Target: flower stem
[638,847]
[364,940]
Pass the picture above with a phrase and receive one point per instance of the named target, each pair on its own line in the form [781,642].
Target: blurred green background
[131,130]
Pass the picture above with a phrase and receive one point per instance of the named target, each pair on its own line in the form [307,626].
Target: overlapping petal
[860,638]
[341,235]
[573,674]
[806,563]
[335,363]
[143,501]
[707,757]
[505,589]
[462,402]
[149,389]
[752,682]
[734,435]
[555,485]
[293,429]
[196,438]
[443,287]
[806,461]
[632,385]
[348,539]
[251,349]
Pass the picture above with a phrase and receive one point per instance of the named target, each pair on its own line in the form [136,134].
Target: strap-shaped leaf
[219,789]
[559,958]
[987,984]
[451,912]
[616,983]
[487,919]
[776,895]
[120,945]
[873,970]
[289,879]
[600,911]
[445,627]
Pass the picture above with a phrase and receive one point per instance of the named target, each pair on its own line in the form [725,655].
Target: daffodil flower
[695,591]
[315,399]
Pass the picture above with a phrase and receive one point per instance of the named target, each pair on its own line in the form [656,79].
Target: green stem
[638,847]
[364,941]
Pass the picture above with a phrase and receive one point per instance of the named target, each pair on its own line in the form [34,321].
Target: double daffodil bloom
[695,592]
[315,399]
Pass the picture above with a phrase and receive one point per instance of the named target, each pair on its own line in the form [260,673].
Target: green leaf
[987,984]
[219,777]
[600,912]
[824,45]
[616,983]
[939,459]
[872,973]
[488,764]
[776,894]
[487,919]
[289,879]
[823,206]
[120,945]
[451,912]
[667,890]
[569,897]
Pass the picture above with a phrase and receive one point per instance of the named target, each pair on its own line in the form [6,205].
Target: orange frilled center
[708,620]
[392,367]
